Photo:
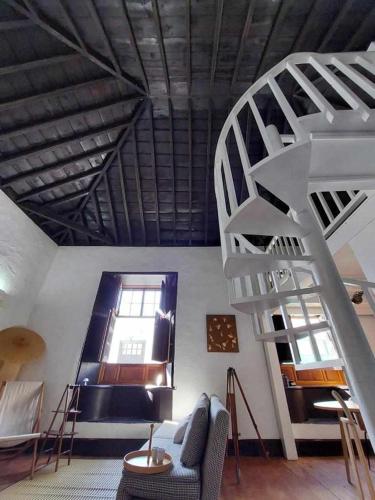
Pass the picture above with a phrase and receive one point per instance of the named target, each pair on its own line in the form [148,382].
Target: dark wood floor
[274,479]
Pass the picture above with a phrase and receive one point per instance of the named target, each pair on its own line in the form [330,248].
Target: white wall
[64,307]
[25,257]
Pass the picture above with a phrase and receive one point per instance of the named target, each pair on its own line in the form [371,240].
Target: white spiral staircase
[328,149]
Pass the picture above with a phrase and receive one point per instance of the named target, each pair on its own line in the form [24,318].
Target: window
[139,303]
[133,330]
[323,339]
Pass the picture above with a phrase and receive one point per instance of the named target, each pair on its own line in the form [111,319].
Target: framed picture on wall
[221,333]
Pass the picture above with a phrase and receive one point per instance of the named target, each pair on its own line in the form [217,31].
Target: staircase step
[260,303]
[258,216]
[242,264]
[282,335]
[285,174]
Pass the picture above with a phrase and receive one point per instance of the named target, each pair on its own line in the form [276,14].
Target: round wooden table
[335,406]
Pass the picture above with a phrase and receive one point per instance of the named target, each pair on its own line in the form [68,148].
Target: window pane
[148,310]
[149,296]
[305,350]
[326,346]
[135,309]
[137,296]
[126,297]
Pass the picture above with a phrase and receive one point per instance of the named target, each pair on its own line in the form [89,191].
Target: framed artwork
[221,333]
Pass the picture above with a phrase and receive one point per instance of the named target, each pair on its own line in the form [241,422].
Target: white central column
[355,350]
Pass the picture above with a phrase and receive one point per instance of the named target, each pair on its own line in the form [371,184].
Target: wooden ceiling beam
[35,209]
[155,11]
[51,122]
[216,41]
[109,159]
[60,92]
[97,211]
[45,24]
[244,35]
[173,167]
[103,35]
[153,164]
[120,142]
[133,42]
[51,146]
[9,181]
[112,215]
[367,24]
[124,197]
[58,184]
[39,63]
[208,168]
[138,185]
[71,23]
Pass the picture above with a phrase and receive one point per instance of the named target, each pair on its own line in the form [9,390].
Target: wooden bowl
[136,461]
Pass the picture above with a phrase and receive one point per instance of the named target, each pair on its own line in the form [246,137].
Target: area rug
[82,479]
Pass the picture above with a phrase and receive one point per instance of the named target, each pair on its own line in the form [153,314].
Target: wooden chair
[350,432]
[20,409]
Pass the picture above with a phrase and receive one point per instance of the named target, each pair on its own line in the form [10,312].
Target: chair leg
[33,460]
[345,452]
[353,461]
[363,461]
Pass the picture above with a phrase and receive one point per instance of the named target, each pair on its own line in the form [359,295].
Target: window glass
[326,346]
[305,350]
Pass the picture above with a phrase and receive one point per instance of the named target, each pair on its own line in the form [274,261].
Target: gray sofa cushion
[213,462]
[179,483]
[181,430]
[194,442]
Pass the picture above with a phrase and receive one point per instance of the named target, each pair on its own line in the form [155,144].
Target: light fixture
[357,297]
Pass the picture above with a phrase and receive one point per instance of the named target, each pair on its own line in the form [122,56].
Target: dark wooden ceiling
[110,109]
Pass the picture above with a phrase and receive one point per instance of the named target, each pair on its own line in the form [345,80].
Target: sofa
[184,482]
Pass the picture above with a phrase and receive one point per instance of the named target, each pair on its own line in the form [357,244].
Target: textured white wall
[64,307]
[25,256]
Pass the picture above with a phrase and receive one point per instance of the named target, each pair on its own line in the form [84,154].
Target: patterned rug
[82,479]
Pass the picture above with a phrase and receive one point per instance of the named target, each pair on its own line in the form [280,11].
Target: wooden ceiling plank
[208,168]
[173,167]
[216,41]
[58,184]
[50,215]
[72,25]
[346,6]
[123,197]
[66,199]
[277,21]
[9,181]
[244,35]
[85,52]
[51,122]
[367,24]
[153,164]
[190,148]
[15,24]
[103,35]
[188,46]
[112,216]
[38,63]
[50,146]
[304,27]
[60,92]
[156,14]
[133,42]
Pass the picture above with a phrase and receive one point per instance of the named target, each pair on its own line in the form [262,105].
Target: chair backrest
[344,407]
[20,406]
[213,462]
